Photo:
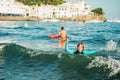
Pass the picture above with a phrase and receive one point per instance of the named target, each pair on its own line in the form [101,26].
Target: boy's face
[80,47]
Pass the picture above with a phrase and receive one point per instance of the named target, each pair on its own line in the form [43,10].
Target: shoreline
[79,18]
[15,18]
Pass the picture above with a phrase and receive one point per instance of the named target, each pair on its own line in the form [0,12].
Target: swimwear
[62,41]
[77,52]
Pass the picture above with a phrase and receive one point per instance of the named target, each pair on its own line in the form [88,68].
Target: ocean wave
[102,64]
[108,63]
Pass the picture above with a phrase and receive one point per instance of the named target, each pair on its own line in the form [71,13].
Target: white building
[33,11]
[65,10]
[12,8]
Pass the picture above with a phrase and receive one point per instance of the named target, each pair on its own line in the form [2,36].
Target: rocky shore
[79,18]
[16,18]
[85,18]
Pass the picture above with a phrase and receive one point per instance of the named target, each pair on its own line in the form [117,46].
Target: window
[59,8]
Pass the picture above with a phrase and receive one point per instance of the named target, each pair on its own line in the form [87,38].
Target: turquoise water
[27,53]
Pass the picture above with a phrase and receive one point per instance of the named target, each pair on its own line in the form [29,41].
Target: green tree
[39,2]
[98,11]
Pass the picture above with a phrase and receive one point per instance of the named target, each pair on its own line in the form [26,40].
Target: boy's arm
[68,50]
[90,52]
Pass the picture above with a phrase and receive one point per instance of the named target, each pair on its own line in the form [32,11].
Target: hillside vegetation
[98,11]
[39,2]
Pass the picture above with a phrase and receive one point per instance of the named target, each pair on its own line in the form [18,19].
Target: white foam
[111,63]
[1,47]
[59,55]
[111,45]
[33,53]
[5,40]
[9,24]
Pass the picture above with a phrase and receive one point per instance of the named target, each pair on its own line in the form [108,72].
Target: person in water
[63,37]
[80,49]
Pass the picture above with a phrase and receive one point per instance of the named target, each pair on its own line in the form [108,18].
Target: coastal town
[80,11]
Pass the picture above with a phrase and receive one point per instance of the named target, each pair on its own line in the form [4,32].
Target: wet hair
[80,44]
[62,28]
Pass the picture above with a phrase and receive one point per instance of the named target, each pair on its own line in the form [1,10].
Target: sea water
[27,53]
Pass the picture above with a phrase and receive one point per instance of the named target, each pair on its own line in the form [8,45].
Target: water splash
[111,45]
[59,55]
[111,63]
[1,47]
